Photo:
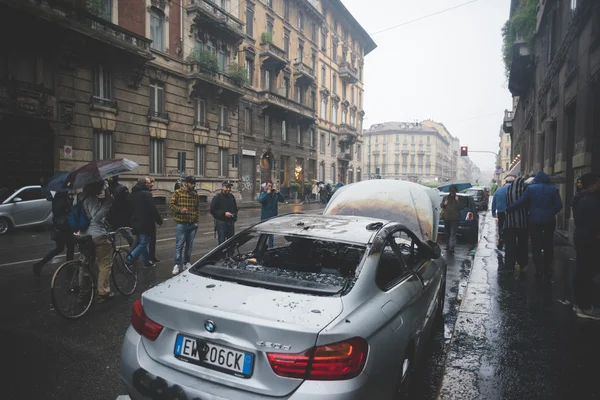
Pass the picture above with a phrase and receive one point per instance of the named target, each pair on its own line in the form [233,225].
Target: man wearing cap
[184,204]
[224,210]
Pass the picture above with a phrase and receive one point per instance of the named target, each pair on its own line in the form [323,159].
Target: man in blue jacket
[270,199]
[499,208]
[543,203]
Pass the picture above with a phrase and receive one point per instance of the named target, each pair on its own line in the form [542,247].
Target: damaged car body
[337,308]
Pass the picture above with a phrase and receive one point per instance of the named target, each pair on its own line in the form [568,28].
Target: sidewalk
[519,339]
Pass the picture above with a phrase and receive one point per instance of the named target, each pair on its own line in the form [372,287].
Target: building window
[107,10]
[223,162]
[344,116]
[323,109]
[352,95]
[249,21]
[313,35]
[157,29]
[284,136]
[286,45]
[157,97]
[298,93]
[267,80]
[200,112]
[323,41]
[223,118]
[300,51]
[332,172]
[322,143]
[333,49]
[311,137]
[360,100]
[323,76]
[333,146]
[313,99]
[103,149]
[157,156]
[268,130]
[200,160]
[286,9]
[222,57]
[344,90]
[248,121]
[359,152]
[101,82]
[334,112]
[300,21]
[270,3]
[506,152]
[313,62]
[299,136]
[352,119]
[334,83]
[270,26]
[250,71]
[322,172]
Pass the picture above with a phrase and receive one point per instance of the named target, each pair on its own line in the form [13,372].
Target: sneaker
[591,313]
[177,269]
[576,309]
[150,264]
[187,266]
[103,298]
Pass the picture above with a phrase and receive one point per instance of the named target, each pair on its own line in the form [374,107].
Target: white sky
[446,67]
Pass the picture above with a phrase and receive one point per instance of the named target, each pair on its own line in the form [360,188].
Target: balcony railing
[157,114]
[304,70]
[344,156]
[219,79]
[201,124]
[272,53]
[508,121]
[217,16]
[278,99]
[348,72]
[104,103]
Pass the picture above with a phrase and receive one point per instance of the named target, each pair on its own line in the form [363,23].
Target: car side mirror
[431,250]
[17,200]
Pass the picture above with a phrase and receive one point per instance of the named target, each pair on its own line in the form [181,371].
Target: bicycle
[77,280]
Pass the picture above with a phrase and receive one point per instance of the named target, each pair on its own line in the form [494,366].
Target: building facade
[416,151]
[230,84]
[555,80]
[504,153]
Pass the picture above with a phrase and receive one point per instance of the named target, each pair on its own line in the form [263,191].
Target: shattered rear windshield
[293,263]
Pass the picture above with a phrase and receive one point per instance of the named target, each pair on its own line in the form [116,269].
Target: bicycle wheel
[73,289]
[124,276]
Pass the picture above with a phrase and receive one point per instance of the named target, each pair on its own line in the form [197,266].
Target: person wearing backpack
[61,231]
[96,211]
[119,215]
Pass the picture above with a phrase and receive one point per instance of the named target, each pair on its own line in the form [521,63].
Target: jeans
[501,218]
[225,230]
[517,247]
[104,255]
[151,246]
[587,267]
[185,233]
[542,238]
[141,250]
[451,228]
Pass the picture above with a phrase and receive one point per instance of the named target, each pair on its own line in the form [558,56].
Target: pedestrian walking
[223,208]
[587,241]
[451,214]
[144,217]
[516,231]
[499,208]
[315,191]
[152,244]
[269,200]
[307,193]
[96,210]
[542,201]
[119,215]
[185,204]
[61,232]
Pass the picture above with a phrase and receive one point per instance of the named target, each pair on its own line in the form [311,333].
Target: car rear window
[294,263]
[474,192]
[464,200]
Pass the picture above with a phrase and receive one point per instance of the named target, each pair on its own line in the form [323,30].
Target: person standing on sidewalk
[451,208]
[516,230]
[499,208]
[223,208]
[185,204]
[144,216]
[269,200]
[587,241]
[543,202]
[61,231]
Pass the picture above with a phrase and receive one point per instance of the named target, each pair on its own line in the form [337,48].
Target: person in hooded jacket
[119,214]
[224,210]
[269,200]
[516,230]
[144,216]
[542,201]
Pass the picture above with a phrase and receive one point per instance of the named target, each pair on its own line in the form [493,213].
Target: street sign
[498,169]
[68,152]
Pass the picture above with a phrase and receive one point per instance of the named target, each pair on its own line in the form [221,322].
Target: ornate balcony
[348,72]
[24,98]
[199,79]
[521,69]
[277,101]
[507,125]
[304,72]
[272,55]
[344,156]
[98,103]
[348,133]
[208,15]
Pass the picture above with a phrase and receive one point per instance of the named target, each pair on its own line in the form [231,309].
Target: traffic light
[464,151]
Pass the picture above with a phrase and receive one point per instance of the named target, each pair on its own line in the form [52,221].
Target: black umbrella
[97,171]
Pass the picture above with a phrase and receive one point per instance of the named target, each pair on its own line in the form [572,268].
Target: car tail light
[142,324]
[469,216]
[336,361]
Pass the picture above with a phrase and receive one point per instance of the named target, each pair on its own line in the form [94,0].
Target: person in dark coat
[451,207]
[516,231]
[269,200]
[542,201]
[144,216]
[119,214]
[587,241]
[61,232]
[223,208]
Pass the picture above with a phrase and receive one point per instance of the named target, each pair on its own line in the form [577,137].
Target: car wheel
[5,225]
[441,302]
[404,384]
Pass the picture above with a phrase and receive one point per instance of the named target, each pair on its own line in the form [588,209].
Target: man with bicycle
[96,210]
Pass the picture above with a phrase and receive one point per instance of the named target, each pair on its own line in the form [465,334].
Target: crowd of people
[529,213]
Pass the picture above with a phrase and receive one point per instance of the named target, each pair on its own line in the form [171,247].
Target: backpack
[78,220]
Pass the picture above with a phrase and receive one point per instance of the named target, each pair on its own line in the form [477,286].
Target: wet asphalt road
[526,345]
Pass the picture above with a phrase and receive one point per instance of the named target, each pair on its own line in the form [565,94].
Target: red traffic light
[464,151]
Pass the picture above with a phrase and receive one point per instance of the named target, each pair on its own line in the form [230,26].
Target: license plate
[210,355]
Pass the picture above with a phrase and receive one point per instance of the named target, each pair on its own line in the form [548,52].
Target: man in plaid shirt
[185,203]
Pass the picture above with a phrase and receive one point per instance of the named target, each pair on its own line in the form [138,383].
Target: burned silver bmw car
[336,308]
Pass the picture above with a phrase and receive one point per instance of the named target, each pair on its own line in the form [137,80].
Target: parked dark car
[469,218]
[481,196]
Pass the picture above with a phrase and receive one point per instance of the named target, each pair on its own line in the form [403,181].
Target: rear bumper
[145,378]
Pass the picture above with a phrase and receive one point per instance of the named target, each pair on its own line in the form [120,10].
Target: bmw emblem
[209,326]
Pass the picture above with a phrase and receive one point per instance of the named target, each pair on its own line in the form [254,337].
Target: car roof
[338,228]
